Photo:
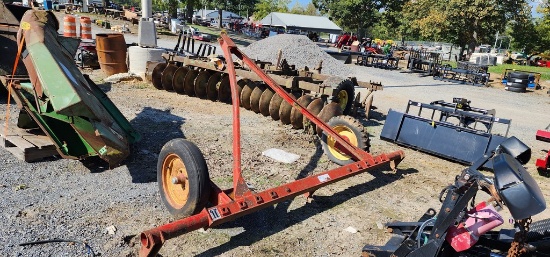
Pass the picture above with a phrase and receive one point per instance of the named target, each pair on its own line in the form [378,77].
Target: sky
[533,3]
[302,3]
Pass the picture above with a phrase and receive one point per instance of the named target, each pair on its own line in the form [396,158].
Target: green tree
[526,37]
[462,22]
[297,8]
[542,26]
[265,7]
[354,15]
[311,10]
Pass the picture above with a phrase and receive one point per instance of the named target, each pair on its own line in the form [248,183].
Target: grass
[499,69]
[544,71]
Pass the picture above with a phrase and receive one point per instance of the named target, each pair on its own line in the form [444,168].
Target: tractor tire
[515,89]
[518,81]
[352,130]
[518,75]
[516,85]
[183,178]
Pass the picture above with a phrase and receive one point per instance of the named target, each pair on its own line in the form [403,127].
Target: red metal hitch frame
[240,200]
[543,164]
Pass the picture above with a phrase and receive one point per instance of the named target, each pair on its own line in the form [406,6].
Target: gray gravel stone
[297,50]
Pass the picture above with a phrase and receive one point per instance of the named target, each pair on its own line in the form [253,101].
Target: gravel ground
[58,198]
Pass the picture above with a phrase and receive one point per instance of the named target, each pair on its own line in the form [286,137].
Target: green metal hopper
[65,104]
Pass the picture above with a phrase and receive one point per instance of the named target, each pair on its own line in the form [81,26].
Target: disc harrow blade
[201,83]
[167,76]
[315,108]
[224,90]
[178,79]
[240,85]
[296,117]
[212,86]
[189,82]
[330,110]
[285,110]
[245,94]
[157,75]
[274,106]
[265,99]
[255,98]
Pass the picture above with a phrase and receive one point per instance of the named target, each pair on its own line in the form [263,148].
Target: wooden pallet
[26,145]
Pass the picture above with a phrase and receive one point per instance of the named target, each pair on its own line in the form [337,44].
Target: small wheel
[343,94]
[182,177]
[351,130]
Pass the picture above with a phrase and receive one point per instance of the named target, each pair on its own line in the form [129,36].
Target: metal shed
[301,22]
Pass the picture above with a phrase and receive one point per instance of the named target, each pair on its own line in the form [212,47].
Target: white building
[210,15]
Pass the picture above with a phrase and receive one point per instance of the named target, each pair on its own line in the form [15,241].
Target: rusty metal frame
[240,200]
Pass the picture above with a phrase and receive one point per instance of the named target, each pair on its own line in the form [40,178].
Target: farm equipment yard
[108,209]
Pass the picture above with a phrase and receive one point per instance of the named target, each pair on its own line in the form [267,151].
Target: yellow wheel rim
[348,135]
[176,194]
[343,99]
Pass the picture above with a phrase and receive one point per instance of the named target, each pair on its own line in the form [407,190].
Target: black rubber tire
[351,125]
[518,81]
[516,90]
[516,85]
[197,175]
[518,75]
[339,84]
[538,230]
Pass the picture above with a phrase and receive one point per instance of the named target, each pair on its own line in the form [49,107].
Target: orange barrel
[85,28]
[111,53]
[69,26]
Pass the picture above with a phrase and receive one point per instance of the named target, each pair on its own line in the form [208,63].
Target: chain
[517,247]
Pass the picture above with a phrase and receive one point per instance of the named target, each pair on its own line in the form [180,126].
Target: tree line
[466,23]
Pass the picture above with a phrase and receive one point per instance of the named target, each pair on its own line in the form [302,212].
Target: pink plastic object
[479,220]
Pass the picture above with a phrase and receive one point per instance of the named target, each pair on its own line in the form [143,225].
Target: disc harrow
[321,94]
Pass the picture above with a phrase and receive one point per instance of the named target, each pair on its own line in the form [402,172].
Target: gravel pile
[298,50]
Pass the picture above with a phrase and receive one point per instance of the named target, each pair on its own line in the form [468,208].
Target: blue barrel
[48,5]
